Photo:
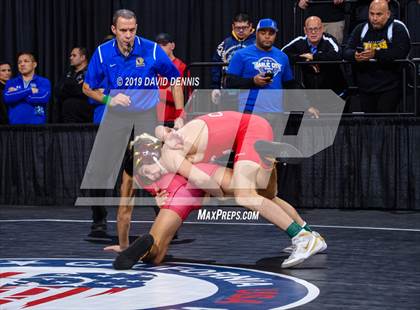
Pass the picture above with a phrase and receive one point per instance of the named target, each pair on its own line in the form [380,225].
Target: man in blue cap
[262,67]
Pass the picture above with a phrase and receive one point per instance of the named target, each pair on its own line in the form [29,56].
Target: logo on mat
[93,283]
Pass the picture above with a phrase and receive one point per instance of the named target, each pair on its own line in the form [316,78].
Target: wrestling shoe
[290,248]
[283,152]
[306,245]
[323,243]
[130,256]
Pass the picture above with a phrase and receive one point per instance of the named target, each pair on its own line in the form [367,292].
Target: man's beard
[265,47]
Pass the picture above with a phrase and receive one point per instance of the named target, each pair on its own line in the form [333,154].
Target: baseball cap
[267,23]
[163,38]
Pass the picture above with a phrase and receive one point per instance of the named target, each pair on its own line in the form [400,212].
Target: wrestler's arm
[175,161]
[125,210]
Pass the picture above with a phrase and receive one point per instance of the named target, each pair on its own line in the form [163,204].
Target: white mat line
[217,223]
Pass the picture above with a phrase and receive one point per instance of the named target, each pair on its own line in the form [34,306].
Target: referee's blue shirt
[135,75]
[251,61]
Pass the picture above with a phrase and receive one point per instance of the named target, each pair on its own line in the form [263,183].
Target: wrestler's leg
[305,244]
[270,192]
[245,174]
[164,228]
[289,209]
[125,209]
[223,176]
[267,190]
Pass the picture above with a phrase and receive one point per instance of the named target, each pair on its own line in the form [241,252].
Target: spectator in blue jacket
[243,35]
[28,94]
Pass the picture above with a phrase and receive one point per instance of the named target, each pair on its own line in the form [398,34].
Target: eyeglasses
[313,30]
[240,28]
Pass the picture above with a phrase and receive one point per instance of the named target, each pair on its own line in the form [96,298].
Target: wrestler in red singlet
[236,131]
[183,197]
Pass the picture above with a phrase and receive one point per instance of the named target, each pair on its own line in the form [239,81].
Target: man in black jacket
[332,15]
[374,45]
[73,104]
[317,46]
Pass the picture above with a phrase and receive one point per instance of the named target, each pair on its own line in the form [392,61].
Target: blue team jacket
[24,106]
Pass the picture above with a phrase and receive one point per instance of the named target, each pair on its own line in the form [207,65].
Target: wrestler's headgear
[147,150]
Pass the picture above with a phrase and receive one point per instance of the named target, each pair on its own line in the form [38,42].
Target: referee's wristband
[106,99]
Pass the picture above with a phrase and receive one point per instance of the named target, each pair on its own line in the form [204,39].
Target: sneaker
[291,248]
[323,243]
[306,245]
[131,255]
[284,152]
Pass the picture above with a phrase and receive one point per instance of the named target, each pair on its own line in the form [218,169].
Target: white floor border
[217,223]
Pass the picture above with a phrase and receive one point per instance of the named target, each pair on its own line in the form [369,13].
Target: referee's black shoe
[98,229]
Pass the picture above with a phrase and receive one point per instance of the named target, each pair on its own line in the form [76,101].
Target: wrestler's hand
[161,197]
[113,248]
[175,141]
[120,99]
[179,123]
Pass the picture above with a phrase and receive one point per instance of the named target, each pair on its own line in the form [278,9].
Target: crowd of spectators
[374,39]
[372,48]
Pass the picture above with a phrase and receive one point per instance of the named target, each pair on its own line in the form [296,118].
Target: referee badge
[139,62]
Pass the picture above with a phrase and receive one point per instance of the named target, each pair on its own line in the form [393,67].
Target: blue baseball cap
[267,23]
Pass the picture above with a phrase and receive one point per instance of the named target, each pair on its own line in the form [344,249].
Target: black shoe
[98,230]
[283,152]
[130,256]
